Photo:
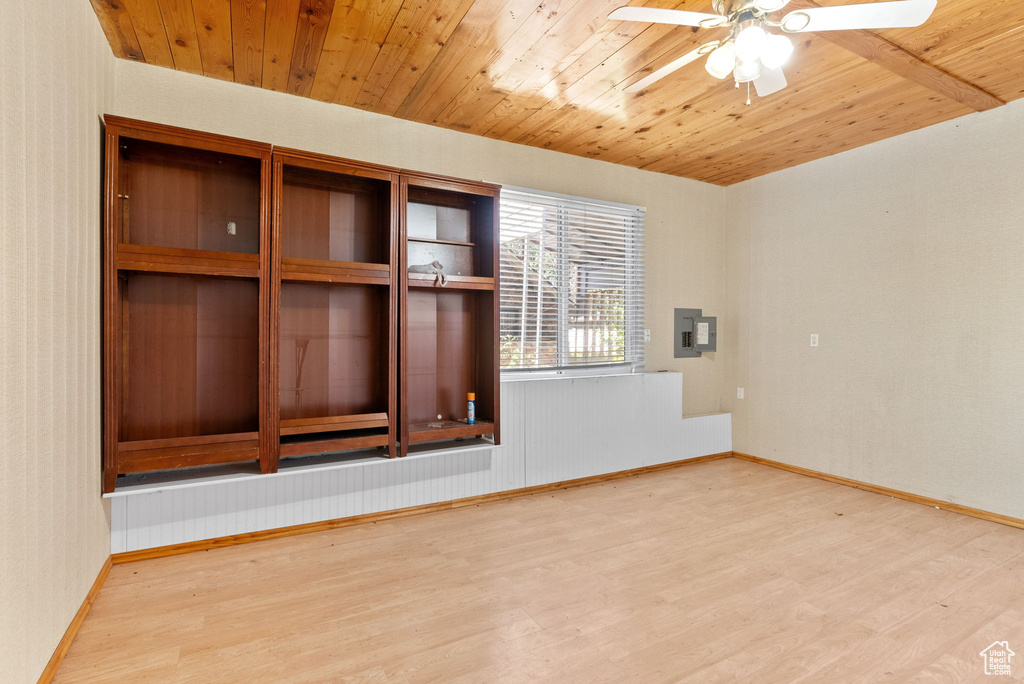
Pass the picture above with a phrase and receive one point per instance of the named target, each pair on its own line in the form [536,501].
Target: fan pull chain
[748,91]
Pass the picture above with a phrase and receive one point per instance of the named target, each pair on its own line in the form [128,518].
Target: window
[571,283]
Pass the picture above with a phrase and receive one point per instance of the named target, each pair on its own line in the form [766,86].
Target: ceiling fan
[752,54]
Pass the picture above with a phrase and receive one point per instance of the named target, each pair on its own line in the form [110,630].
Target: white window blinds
[571,282]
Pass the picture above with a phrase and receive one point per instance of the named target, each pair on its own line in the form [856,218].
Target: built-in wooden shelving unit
[186,275]
[258,303]
[334,305]
[450,344]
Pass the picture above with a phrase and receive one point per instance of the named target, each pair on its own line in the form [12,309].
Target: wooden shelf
[450,429]
[145,258]
[199,440]
[178,452]
[300,426]
[308,445]
[455,282]
[442,242]
[323,271]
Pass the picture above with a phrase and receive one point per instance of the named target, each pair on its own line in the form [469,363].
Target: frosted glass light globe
[749,42]
[747,71]
[776,50]
[722,61]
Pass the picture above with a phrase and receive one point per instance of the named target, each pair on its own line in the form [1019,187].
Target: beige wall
[684,236]
[56,78]
[906,257]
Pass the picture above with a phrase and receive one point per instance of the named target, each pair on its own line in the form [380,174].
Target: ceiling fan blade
[769,82]
[874,15]
[666,70]
[666,16]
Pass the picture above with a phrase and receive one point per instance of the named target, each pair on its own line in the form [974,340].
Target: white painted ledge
[166,480]
[552,430]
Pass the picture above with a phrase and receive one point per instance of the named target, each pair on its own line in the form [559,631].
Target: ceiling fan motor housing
[733,8]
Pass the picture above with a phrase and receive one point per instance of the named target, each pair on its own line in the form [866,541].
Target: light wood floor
[723,571]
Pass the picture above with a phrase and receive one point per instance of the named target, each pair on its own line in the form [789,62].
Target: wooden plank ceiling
[551,73]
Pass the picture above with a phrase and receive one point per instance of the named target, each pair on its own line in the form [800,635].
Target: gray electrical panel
[695,333]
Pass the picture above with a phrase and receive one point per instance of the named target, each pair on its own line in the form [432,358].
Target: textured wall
[906,257]
[56,78]
[685,239]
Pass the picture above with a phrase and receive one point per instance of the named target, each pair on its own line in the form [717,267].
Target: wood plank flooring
[723,571]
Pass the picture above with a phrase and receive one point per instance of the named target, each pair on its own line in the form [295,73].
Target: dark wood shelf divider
[455,282]
[441,242]
[321,271]
[448,429]
[258,303]
[183,456]
[299,426]
[323,444]
[186,261]
[200,440]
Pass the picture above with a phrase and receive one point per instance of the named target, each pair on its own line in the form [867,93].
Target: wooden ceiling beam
[888,55]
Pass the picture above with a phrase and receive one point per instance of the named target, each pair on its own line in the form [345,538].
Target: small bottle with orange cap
[471,407]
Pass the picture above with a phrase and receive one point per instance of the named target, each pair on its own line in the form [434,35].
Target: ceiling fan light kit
[749,40]
[747,71]
[752,54]
[776,51]
[722,61]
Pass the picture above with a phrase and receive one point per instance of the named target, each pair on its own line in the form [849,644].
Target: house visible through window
[571,282]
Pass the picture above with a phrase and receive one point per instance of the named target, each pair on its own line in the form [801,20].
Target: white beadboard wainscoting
[552,430]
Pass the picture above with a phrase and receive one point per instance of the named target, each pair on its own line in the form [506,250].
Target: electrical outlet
[647,335]
[739,392]
[814,339]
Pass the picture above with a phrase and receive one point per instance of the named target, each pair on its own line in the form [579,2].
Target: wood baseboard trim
[896,493]
[50,671]
[307,528]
